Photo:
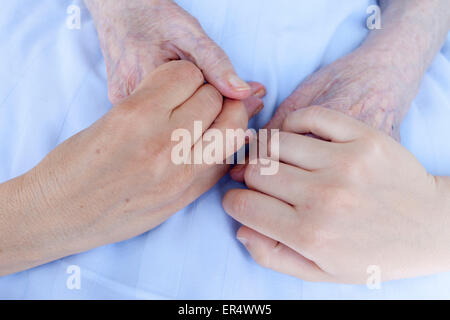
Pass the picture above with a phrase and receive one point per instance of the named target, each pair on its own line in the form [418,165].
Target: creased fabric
[53,84]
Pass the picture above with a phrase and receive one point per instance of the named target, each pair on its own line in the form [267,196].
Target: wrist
[24,239]
[120,13]
[388,88]
[32,224]
[402,72]
[442,205]
[411,34]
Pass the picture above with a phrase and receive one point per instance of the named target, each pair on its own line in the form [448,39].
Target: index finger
[169,86]
[325,123]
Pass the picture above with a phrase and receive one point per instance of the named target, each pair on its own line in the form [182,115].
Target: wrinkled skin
[361,85]
[137,36]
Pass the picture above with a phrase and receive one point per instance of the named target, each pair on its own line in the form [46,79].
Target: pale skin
[98,188]
[336,206]
[136,36]
[347,196]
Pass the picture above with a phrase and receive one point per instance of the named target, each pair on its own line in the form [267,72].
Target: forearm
[20,237]
[32,230]
[415,28]
[412,33]
[110,13]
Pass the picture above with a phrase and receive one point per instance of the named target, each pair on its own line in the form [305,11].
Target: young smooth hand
[340,204]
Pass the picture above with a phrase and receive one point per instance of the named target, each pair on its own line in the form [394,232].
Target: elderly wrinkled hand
[377,82]
[340,204]
[137,36]
[362,85]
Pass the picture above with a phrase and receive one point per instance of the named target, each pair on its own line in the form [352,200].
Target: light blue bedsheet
[53,84]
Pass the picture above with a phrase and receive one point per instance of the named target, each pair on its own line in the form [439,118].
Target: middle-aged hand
[116,179]
[336,206]
[136,36]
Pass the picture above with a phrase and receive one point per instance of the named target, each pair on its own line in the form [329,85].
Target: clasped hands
[345,199]
[346,196]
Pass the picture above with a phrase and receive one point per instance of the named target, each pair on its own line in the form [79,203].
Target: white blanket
[53,84]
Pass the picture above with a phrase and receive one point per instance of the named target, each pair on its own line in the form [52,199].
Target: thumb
[216,66]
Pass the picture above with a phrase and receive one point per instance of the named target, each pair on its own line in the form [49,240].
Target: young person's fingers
[237,173]
[305,152]
[287,184]
[200,110]
[262,213]
[254,104]
[226,135]
[168,86]
[275,255]
[325,123]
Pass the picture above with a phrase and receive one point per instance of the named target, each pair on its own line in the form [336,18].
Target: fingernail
[237,83]
[260,93]
[243,241]
[253,105]
[258,109]
[237,168]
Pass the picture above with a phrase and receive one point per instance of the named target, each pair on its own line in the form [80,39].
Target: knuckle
[286,124]
[213,98]
[283,137]
[186,70]
[262,258]
[358,164]
[337,200]
[287,112]
[237,202]
[373,145]
[191,70]
[314,238]
[251,174]
[312,114]
[236,114]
